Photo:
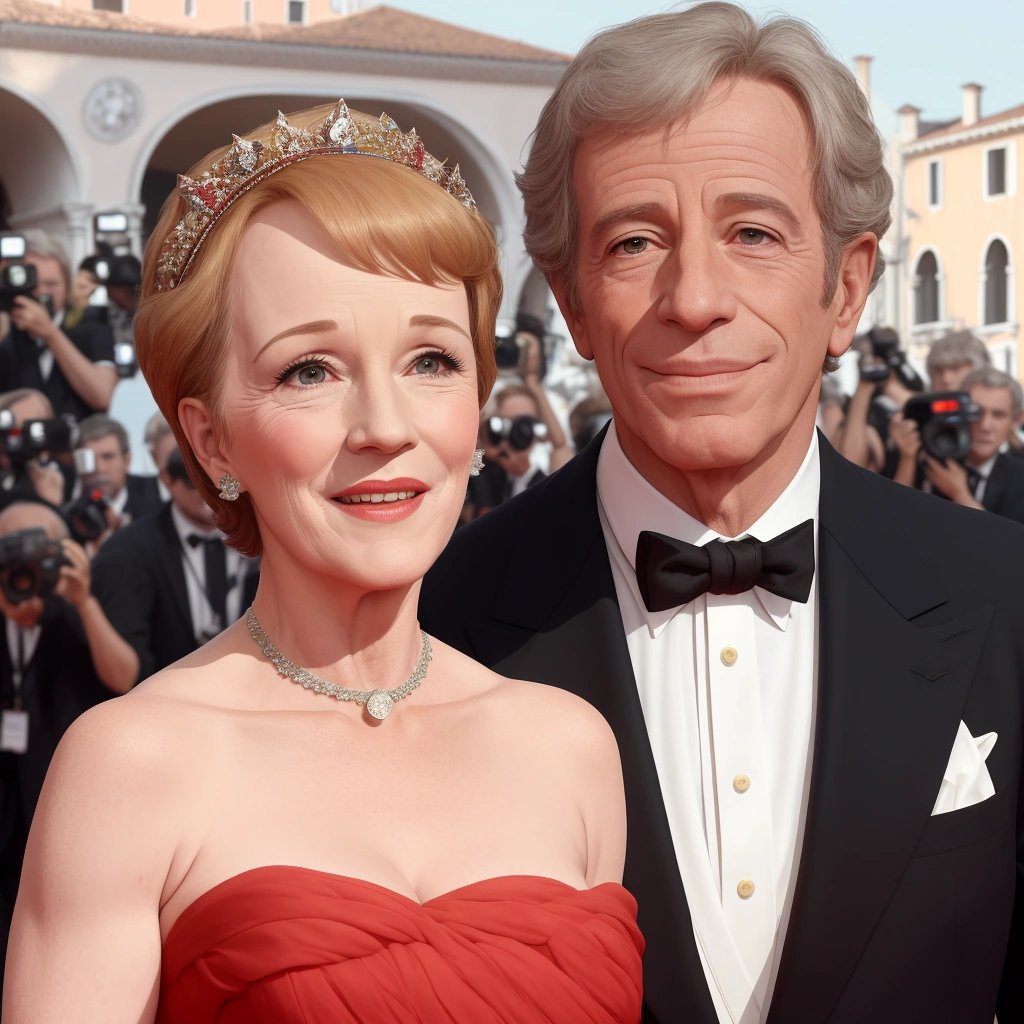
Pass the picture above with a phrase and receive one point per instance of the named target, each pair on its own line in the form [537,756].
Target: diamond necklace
[377,702]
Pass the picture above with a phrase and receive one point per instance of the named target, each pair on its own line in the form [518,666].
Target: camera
[519,431]
[87,515]
[885,345]
[30,565]
[34,437]
[17,277]
[944,419]
[125,360]
[506,351]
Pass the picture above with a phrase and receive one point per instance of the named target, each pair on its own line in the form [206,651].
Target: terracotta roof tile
[378,28]
[953,127]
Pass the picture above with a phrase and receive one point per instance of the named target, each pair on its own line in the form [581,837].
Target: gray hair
[100,425]
[957,349]
[990,377]
[156,428]
[46,247]
[657,70]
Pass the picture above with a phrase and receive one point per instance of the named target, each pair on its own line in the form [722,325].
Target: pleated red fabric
[281,944]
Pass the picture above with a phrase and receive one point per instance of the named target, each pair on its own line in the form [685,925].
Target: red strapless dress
[283,944]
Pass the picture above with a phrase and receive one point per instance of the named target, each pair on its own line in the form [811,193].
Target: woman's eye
[305,375]
[753,236]
[631,246]
[429,365]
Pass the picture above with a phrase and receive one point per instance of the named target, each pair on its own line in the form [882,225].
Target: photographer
[60,657]
[127,496]
[525,352]
[23,473]
[952,358]
[74,368]
[886,382]
[988,477]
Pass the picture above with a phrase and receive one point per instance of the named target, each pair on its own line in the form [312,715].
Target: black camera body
[36,437]
[16,280]
[86,516]
[519,431]
[944,419]
[885,345]
[30,565]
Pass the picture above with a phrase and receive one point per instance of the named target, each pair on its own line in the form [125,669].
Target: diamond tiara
[247,163]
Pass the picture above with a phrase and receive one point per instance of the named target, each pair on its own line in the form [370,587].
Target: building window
[997,268]
[296,12]
[934,184]
[246,12]
[995,172]
[926,289]
[190,8]
[109,5]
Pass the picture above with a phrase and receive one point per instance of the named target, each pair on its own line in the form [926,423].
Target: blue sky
[923,49]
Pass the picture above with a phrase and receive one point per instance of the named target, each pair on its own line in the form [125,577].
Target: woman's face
[352,403]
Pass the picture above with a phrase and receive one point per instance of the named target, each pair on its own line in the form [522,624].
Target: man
[73,368]
[130,496]
[805,843]
[953,357]
[168,582]
[991,478]
[39,477]
[59,655]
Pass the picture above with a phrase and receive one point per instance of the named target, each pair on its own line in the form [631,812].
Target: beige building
[961,232]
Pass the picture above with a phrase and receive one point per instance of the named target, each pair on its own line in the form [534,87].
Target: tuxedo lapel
[170,554]
[890,696]
[554,618]
[995,485]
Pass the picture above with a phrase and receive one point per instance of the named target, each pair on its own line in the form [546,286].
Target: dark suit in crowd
[19,365]
[143,496]
[1004,489]
[59,684]
[898,916]
[139,580]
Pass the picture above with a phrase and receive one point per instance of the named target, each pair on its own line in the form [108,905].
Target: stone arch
[207,123]
[39,176]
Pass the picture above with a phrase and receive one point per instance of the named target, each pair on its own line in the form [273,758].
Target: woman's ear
[203,437]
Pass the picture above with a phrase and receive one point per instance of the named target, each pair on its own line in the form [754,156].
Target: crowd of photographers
[956,437]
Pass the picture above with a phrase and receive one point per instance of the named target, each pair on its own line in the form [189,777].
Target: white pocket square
[966,780]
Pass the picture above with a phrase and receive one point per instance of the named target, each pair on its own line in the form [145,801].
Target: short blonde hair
[384,218]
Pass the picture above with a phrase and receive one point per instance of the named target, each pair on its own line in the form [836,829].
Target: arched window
[997,265]
[926,289]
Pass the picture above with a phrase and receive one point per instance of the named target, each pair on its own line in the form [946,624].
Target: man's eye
[631,246]
[753,236]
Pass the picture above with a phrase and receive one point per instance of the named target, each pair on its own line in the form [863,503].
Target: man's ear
[573,320]
[856,265]
[203,437]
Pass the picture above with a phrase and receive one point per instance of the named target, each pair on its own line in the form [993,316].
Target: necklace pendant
[379,704]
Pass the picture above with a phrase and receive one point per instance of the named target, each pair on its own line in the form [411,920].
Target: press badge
[14,731]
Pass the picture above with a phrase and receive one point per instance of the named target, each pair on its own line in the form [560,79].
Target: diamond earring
[478,462]
[230,488]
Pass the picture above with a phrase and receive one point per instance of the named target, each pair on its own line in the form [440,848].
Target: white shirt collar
[629,504]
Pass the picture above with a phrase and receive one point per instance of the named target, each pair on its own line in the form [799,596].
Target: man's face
[111,461]
[949,378]
[50,278]
[993,429]
[700,276]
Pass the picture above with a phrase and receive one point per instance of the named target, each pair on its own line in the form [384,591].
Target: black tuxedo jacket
[143,496]
[1004,489]
[139,580]
[897,916]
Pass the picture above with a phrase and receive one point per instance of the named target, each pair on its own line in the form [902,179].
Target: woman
[436,844]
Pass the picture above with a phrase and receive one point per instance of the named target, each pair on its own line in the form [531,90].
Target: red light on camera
[946,405]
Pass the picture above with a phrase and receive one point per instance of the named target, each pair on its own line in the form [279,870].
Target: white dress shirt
[727,685]
[193,559]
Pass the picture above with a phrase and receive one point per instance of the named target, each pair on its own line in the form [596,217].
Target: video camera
[18,278]
[944,419]
[519,431]
[30,565]
[885,346]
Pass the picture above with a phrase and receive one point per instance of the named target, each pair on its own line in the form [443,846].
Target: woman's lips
[382,501]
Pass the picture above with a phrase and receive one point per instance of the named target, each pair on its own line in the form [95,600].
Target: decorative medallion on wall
[112,109]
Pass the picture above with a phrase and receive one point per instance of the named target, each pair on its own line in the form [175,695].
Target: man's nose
[693,286]
[380,415]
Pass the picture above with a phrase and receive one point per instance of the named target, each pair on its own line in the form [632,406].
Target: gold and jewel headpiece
[247,163]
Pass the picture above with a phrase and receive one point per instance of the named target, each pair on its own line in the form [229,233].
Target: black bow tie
[671,572]
[195,539]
